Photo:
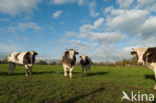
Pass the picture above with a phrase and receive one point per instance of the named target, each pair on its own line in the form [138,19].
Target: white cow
[68,61]
[85,62]
[146,56]
[23,58]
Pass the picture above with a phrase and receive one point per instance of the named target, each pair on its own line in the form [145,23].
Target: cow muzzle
[140,63]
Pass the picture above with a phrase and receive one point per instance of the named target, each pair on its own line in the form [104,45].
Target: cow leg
[9,67]
[30,70]
[70,72]
[13,66]
[26,68]
[155,78]
[83,70]
[65,70]
[89,69]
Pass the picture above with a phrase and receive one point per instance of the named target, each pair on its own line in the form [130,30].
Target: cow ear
[133,53]
[66,52]
[36,53]
[148,53]
[80,56]
[76,53]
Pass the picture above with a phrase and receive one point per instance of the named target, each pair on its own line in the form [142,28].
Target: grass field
[48,85]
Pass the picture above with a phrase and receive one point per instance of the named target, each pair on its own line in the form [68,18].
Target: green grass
[48,85]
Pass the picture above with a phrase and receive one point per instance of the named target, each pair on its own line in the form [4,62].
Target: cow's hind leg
[155,78]
[9,67]
[65,70]
[13,67]
[70,72]
[26,68]
[30,70]
[83,70]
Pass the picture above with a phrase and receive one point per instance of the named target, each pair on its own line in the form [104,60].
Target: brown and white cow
[68,61]
[146,56]
[85,62]
[23,58]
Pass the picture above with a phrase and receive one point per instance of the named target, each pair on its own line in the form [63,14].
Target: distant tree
[0,62]
[42,62]
[4,61]
[53,63]
[134,61]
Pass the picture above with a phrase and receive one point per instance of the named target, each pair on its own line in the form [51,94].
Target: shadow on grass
[150,77]
[72,72]
[77,98]
[97,73]
[33,73]
[154,100]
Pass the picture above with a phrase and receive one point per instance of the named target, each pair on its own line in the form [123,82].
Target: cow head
[31,56]
[71,53]
[83,57]
[140,53]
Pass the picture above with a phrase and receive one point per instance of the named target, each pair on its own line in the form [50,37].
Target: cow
[23,58]
[146,56]
[85,62]
[68,61]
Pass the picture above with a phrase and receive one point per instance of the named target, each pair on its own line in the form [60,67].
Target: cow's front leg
[9,67]
[26,68]
[70,72]
[65,70]
[83,70]
[30,70]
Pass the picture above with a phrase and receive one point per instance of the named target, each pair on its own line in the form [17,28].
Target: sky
[105,30]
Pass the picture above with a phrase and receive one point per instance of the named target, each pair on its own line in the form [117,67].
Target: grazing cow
[146,56]
[23,58]
[68,61]
[85,62]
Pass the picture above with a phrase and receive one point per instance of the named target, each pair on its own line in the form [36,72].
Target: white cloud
[70,34]
[4,19]
[61,2]
[14,7]
[92,8]
[91,5]
[107,37]
[22,27]
[153,8]
[109,53]
[148,28]
[6,49]
[144,3]
[29,25]
[129,21]
[124,3]
[57,14]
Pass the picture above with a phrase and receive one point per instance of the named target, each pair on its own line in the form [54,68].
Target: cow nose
[140,63]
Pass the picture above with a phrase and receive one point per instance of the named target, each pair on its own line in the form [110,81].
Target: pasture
[47,84]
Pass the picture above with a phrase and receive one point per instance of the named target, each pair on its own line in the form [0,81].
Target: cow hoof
[70,77]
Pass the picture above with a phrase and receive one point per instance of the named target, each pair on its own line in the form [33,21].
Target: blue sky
[106,30]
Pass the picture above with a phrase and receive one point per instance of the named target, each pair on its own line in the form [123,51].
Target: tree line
[124,62]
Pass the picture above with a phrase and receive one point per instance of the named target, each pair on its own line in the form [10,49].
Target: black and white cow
[23,58]
[146,56]
[68,61]
[85,62]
